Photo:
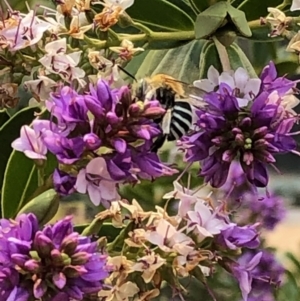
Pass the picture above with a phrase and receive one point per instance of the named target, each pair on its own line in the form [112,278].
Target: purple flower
[243,272]
[103,124]
[67,150]
[236,237]
[267,273]
[56,255]
[63,182]
[253,133]
[68,107]
[268,211]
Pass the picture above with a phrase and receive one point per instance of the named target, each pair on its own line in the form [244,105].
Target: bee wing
[191,93]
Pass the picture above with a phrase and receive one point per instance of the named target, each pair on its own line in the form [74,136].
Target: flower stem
[143,37]
[223,55]
[41,176]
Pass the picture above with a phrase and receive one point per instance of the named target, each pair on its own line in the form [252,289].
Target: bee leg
[158,143]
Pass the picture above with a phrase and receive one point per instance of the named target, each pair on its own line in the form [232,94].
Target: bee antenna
[126,72]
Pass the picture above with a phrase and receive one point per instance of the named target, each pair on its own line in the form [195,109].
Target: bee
[177,98]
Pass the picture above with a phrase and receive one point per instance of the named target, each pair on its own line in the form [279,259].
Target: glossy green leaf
[160,13]
[11,131]
[44,206]
[202,5]
[21,182]
[185,6]
[254,9]
[18,178]
[238,59]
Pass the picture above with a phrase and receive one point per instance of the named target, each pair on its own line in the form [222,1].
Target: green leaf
[210,20]
[238,59]
[209,57]
[202,5]
[11,131]
[254,9]
[44,206]
[286,67]
[107,230]
[185,6]
[260,34]
[21,182]
[19,176]
[239,20]
[182,62]
[160,14]
[3,117]
[216,16]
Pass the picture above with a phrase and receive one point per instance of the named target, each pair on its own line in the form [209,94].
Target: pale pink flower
[244,87]
[120,292]
[26,32]
[30,142]
[96,181]
[148,264]
[295,5]
[169,239]
[41,87]
[186,196]
[56,61]
[204,222]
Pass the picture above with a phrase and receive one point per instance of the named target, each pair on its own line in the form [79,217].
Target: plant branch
[143,37]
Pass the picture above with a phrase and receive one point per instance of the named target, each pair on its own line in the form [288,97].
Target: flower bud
[135,109]
[112,118]
[80,258]
[69,244]
[32,266]
[74,271]
[43,245]
[92,141]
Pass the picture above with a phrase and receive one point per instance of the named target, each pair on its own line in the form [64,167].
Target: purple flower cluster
[252,129]
[52,264]
[252,207]
[100,139]
[258,272]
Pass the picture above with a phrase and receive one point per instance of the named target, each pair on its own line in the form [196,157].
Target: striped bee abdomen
[181,120]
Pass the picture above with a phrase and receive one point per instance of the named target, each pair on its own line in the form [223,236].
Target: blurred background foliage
[186,60]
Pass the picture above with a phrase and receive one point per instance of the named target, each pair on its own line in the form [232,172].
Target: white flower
[58,62]
[244,87]
[40,87]
[186,196]
[126,51]
[204,222]
[95,179]
[26,32]
[295,5]
[148,265]
[278,21]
